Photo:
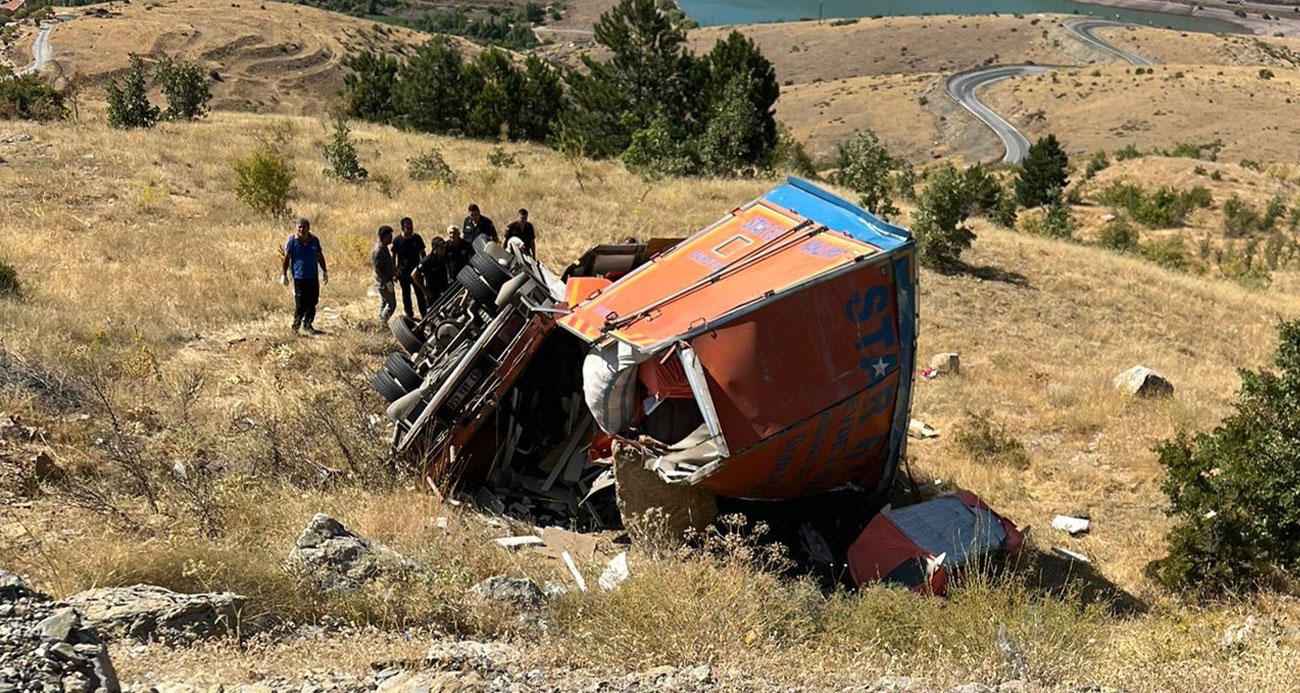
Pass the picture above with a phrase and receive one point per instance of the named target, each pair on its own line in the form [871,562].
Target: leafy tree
[128,101]
[1044,170]
[185,86]
[494,84]
[648,75]
[369,90]
[1232,491]
[264,181]
[738,58]
[734,129]
[540,101]
[660,150]
[791,156]
[939,225]
[29,97]
[864,167]
[341,153]
[430,91]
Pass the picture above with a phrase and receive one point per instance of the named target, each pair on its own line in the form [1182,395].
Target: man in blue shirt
[302,255]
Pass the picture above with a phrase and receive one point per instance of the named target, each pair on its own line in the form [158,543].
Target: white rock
[1140,381]
[947,363]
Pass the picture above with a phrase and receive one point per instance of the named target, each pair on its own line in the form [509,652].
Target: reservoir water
[713,12]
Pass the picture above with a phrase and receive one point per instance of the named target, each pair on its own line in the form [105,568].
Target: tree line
[652,102]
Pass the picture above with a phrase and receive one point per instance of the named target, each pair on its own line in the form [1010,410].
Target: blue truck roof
[837,213]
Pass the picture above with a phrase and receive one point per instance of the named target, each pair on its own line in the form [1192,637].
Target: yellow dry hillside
[132,250]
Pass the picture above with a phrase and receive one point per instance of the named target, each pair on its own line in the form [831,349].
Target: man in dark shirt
[476,225]
[385,273]
[303,255]
[431,275]
[457,252]
[522,229]
[408,250]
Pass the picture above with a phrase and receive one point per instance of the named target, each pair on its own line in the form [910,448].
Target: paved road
[41,51]
[962,87]
[1083,28]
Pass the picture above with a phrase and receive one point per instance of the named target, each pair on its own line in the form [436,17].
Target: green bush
[1096,164]
[1265,73]
[341,154]
[264,181]
[988,442]
[790,154]
[1166,207]
[10,287]
[1170,254]
[1241,218]
[186,87]
[500,158]
[1118,235]
[29,97]
[1043,173]
[128,101]
[1193,150]
[1056,221]
[865,167]
[1232,491]
[430,166]
[1130,151]
[939,225]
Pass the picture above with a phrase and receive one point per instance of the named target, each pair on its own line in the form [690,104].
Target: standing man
[408,250]
[457,252]
[385,273]
[431,275]
[476,225]
[522,229]
[302,254]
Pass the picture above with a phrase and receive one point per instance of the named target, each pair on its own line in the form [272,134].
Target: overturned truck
[768,356]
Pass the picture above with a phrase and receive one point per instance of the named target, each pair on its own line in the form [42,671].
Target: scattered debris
[521,592]
[615,573]
[573,570]
[48,648]
[948,363]
[1011,652]
[15,137]
[920,545]
[1073,525]
[1236,637]
[921,430]
[581,546]
[338,559]
[1140,381]
[148,612]
[1070,555]
[520,542]
[469,655]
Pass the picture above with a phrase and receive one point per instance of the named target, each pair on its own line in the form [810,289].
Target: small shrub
[1252,165]
[1232,490]
[864,167]
[1265,73]
[1169,254]
[341,154]
[128,101]
[1118,235]
[790,154]
[1240,217]
[186,88]
[1096,164]
[1130,151]
[939,224]
[264,181]
[988,442]
[10,287]
[29,97]
[500,158]
[430,166]
[1192,150]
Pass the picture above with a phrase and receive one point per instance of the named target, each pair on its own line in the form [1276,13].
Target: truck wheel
[482,294]
[387,386]
[493,274]
[404,331]
[402,371]
[479,242]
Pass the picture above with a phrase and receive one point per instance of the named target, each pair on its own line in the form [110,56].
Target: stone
[1011,652]
[15,137]
[64,651]
[149,612]
[1140,381]
[896,684]
[1237,637]
[45,469]
[947,363]
[59,626]
[338,559]
[464,655]
[520,592]
[12,587]
[972,688]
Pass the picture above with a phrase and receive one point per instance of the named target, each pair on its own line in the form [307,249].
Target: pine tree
[1043,173]
[430,89]
[738,57]
[128,102]
[369,90]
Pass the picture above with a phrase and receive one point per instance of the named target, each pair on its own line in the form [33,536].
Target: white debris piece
[520,541]
[1141,381]
[948,363]
[573,570]
[1071,555]
[615,573]
[1073,525]
[920,429]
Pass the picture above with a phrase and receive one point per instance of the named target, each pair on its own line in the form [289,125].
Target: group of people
[399,258]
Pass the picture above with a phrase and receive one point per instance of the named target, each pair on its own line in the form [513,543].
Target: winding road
[41,51]
[962,86]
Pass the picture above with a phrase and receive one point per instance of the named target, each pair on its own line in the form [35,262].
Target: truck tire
[479,242]
[493,273]
[404,331]
[478,290]
[387,386]
[399,366]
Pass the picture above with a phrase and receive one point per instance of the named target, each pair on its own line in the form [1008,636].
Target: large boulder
[338,559]
[46,646]
[1140,381]
[503,589]
[148,612]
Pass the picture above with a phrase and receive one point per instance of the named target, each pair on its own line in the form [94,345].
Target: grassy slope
[143,244]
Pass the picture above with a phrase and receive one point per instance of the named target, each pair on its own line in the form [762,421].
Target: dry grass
[144,247]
